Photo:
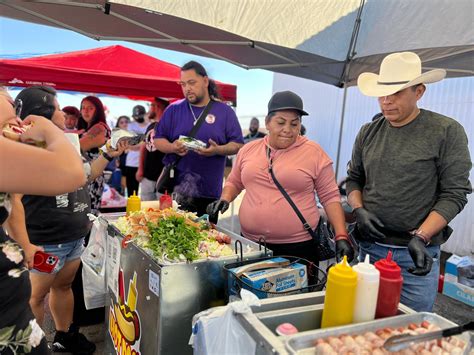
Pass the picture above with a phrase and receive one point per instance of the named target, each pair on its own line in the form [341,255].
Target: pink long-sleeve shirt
[303,169]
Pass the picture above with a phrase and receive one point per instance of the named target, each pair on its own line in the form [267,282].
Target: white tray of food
[369,337]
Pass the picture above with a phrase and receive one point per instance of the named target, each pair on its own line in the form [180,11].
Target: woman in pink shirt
[302,168]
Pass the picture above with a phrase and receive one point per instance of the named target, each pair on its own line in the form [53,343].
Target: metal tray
[250,249]
[302,343]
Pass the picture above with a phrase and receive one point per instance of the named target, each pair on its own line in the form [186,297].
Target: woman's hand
[40,131]
[30,251]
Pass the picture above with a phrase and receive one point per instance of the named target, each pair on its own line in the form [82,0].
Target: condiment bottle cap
[286,329]
[344,270]
[388,268]
[369,271]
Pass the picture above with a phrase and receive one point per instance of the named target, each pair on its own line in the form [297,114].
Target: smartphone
[45,262]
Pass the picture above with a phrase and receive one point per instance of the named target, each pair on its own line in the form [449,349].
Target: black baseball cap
[286,100]
[138,111]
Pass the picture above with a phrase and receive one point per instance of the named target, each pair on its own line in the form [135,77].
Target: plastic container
[166,201]
[340,295]
[286,329]
[133,203]
[390,289]
[368,279]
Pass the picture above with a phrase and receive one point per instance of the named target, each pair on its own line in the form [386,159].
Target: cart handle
[238,246]
[261,241]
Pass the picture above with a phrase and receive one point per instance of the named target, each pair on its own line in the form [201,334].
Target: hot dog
[13,131]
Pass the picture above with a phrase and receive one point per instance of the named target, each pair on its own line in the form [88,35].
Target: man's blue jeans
[418,292]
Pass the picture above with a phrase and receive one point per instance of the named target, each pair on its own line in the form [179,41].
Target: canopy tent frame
[170,39]
[309,56]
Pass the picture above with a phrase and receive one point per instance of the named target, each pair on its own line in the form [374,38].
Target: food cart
[150,306]
[304,311]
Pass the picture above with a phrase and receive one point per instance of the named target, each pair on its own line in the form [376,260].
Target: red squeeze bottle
[390,289]
[166,201]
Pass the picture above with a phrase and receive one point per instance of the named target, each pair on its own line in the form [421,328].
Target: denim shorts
[65,252]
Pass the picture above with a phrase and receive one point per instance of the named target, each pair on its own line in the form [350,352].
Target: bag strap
[306,225]
[196,126]
[201,119]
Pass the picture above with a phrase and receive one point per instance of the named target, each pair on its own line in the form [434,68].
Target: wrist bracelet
[341,236]
[107,157]
[423,238]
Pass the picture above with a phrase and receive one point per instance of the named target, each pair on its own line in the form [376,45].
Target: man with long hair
[200,172]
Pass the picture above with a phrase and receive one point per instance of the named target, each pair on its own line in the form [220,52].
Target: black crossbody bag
[167,179]
[323,237]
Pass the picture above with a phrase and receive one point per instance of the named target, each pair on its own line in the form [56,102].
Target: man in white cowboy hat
[408,176]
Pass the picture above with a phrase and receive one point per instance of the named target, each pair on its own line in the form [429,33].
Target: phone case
[45,262]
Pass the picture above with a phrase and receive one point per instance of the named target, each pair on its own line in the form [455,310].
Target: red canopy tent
[114,70]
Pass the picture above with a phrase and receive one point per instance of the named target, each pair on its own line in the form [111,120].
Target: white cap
[366,270]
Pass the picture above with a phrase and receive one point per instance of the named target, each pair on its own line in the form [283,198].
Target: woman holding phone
[56,169]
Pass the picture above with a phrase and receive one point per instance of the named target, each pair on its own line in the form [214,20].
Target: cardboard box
[269,282]
[459,279]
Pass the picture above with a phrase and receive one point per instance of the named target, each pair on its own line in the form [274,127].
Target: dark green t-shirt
[406,172]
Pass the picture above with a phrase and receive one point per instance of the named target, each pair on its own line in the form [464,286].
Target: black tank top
[57,219]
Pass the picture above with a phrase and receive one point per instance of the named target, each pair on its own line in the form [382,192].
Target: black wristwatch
[108,157]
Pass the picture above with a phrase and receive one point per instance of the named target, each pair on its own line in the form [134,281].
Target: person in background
[151,159]
[138,126]
[199,173]
[58,225]
[122,122]
[254,132]
[72,118]
[57,169]
[302,168]
[408,176]
[96,133]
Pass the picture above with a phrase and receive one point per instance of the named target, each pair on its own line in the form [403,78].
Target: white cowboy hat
[398,71]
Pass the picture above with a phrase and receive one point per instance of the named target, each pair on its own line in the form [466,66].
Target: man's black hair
[199,69]
[37,100]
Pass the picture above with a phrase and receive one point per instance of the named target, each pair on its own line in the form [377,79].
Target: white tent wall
[451,97]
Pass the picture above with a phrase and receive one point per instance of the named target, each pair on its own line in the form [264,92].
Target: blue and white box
[269,282]
[459,279]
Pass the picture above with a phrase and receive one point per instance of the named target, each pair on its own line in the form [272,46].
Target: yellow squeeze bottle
[133,203]
[340,295]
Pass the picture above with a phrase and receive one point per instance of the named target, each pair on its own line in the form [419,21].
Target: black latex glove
[216,206]
[343,247]
[422,259]
[367,223]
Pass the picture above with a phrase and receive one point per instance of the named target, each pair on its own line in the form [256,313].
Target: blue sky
[254,87]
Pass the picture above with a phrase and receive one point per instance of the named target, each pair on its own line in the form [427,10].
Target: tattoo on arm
[95,131]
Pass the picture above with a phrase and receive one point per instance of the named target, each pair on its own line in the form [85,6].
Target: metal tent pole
[344,78]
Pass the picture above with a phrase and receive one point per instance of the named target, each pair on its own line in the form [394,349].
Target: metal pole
[351,52]
[341,127]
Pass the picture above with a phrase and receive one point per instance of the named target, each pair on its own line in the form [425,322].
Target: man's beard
[140,119]
[253,130]
[152,115]
[196,100]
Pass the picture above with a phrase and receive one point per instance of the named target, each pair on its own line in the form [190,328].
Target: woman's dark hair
[199,69]
[37,100]
[118,120]
[99,115]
